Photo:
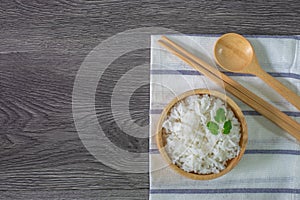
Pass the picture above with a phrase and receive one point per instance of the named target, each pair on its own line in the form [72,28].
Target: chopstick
[257,103]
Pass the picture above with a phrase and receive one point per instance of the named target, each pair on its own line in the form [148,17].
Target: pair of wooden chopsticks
[248,97]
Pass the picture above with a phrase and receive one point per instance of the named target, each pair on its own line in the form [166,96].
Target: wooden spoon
[234,53]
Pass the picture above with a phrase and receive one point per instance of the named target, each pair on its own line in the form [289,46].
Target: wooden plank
[77,194]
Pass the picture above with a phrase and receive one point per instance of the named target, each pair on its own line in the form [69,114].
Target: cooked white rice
[191,145]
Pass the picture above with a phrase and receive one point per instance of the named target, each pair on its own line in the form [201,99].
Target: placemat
[270,168]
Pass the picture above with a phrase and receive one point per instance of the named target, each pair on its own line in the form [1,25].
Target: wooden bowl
[161,134]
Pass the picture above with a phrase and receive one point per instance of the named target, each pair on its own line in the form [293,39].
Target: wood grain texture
[77,194]
[42,45]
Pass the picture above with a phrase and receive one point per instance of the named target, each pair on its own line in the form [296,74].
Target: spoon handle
[288,94]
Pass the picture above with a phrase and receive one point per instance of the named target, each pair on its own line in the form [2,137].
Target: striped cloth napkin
[270,168]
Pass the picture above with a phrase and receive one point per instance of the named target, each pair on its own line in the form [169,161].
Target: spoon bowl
[234,53]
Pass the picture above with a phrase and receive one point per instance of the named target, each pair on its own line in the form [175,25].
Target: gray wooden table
[42,46]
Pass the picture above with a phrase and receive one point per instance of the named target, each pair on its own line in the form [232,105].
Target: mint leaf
[213,127]
[220,115]
[227,127]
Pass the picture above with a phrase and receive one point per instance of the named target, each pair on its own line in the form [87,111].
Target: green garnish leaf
[227,127]
[220,115]
[213,127]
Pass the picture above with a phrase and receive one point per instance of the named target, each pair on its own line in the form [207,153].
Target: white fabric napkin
[270,168]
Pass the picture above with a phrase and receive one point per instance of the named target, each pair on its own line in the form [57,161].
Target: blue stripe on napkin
[193,72]
[245,112]
[225,190]
[256,151]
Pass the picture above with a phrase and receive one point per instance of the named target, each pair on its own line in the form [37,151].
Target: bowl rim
[238,114]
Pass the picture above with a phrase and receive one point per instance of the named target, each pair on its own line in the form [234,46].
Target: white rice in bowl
[191,144]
